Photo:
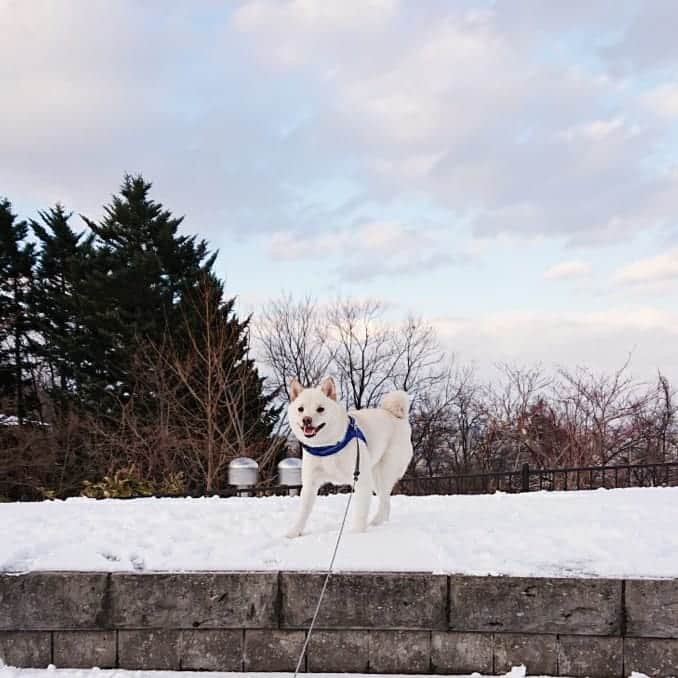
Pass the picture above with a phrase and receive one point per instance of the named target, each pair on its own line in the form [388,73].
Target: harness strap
[352,432]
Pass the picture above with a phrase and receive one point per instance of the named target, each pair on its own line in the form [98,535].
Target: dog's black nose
[307,421]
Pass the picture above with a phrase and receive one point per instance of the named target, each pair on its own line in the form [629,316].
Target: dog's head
[314,415]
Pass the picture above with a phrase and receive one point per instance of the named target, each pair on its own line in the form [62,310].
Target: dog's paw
[359,527]
[293,533]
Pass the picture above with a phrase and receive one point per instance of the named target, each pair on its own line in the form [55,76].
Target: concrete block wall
[369,622]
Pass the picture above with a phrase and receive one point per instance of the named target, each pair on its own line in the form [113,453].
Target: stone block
[148,650]
[461,652]
[338,652]
[400,651]
[367,601]
[534,605]
[652,608]
[211,650]
[195,600]
[538,652]
[208,650]
[590,656]
[657,658]
[46,601]
[272,650]
[26,649]
[84,649]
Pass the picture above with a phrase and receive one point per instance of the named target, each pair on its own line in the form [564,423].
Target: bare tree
[448,424]
[508,403]
[293,342]
[604,412]
[352,341]
[203,414]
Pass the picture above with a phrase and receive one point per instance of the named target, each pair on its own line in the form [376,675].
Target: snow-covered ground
[603,533]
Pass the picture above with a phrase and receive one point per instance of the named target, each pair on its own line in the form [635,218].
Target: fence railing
[529,479]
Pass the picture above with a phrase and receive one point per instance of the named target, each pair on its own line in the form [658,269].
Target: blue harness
[327,450]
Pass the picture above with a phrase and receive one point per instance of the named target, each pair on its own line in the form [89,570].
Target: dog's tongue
[309,430]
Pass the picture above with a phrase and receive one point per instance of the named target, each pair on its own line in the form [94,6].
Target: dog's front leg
[309,491]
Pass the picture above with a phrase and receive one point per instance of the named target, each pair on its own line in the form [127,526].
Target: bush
[127,482]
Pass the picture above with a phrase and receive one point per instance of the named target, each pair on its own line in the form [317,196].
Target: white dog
[330,436]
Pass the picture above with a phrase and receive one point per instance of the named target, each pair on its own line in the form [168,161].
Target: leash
[356,473]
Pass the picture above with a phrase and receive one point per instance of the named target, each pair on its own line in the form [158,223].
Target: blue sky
[506,170]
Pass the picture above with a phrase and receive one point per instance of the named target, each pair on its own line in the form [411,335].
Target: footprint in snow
[111,557]
[137,562]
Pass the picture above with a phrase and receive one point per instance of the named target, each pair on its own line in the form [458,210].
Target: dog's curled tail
[397,403]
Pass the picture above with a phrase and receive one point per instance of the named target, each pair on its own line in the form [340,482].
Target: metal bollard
[243,473]
[289,473]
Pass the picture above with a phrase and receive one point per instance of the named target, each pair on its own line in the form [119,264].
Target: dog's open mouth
[310,431]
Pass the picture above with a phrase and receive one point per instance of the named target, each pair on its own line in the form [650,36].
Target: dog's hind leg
[384,496]
[387,473]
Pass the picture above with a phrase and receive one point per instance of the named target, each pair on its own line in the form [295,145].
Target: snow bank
[603,533]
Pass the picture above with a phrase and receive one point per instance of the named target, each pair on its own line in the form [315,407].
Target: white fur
[383,461]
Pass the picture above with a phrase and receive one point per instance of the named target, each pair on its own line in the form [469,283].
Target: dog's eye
[320,409]
[300,409]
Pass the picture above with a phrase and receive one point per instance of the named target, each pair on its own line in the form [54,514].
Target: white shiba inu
[330,434]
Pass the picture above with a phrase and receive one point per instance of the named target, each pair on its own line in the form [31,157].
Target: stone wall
[369,622]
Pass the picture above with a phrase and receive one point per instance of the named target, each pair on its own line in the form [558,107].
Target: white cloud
[459,105]
[658,269]
[473,113]
[596,130]
[602,340]
[663,100]
[568,270]
[368,251]
[289,31]
[375,238]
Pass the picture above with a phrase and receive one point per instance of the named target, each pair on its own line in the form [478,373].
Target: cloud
[250,116]
[602,340]
[568,270]
[663,100]
[648,41]
[368,251]
[659,269]
[296,28]
[462,106]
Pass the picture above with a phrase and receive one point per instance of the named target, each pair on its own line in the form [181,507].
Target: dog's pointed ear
[295,389]
[329,388]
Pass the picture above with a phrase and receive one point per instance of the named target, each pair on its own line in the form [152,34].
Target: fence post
[525,477]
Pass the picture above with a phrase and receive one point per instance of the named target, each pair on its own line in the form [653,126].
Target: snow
[11,420]
[51,672]
[602,533]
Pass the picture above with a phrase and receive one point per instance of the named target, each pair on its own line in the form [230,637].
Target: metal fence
[529,479]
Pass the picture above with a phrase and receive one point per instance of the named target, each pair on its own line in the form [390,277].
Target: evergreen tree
[59,305]
[17,258]
[141,268]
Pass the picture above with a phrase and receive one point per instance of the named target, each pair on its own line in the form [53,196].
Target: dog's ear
[295,389]
[329,388]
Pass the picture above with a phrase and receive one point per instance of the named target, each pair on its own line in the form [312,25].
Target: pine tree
[17,259]
[59,304]
[141,268]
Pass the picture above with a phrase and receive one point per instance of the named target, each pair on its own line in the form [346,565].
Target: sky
[507,171]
